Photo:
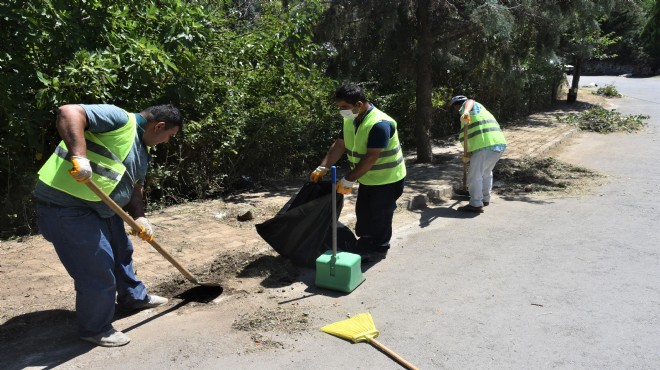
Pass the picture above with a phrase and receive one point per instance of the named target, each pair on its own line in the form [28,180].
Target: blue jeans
[98,255]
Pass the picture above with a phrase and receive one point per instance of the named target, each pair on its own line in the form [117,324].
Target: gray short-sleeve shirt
[104,118]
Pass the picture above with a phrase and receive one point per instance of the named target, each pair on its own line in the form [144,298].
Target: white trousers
[480,176]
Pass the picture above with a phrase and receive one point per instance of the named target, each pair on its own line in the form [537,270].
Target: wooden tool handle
[465,135]
[135,226]
[465,151]
[391,353]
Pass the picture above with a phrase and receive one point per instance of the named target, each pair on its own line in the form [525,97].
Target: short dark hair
[164,113]
[350,93]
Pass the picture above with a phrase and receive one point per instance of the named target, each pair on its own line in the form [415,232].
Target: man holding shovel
[369,138]
[483,145]
[111,146]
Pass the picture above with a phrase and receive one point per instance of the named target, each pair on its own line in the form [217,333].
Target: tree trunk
[424,84]
[572,93]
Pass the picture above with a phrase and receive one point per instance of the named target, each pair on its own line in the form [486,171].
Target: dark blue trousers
[98,255]
[374,209]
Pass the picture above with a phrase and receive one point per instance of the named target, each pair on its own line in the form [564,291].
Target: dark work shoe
[471,208]
[374,256]
[486,204]
[111,338]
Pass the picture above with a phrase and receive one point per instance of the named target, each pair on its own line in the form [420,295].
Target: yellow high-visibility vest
[483,130]
[106,152]
[389,167]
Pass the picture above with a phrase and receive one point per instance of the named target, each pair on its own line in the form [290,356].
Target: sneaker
[154,301]
[470,208]
[111,338]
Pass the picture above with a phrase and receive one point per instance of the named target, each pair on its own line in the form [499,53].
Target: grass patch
[605,121]
[539,174]
[608,91]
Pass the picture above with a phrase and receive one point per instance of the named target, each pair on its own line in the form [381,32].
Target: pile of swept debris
[519,176]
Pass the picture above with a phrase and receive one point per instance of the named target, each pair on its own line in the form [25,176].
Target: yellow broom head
[357,329]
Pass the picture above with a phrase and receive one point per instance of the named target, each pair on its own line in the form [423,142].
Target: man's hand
[344,186]
[466,117]
[466,157]
[81,171]
[145,233]
[318,173]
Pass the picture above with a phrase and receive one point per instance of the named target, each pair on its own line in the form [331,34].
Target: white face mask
[347,113]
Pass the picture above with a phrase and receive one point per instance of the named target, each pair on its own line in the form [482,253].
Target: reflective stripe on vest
[390,166]
[483,130]
[106,152]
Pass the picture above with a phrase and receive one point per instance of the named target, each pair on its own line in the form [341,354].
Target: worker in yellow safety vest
[370,139]
[110,146]
[485,146]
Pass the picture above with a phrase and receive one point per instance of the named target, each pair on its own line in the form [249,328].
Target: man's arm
[379,138]
[136,209]
[71,124]
[337,149]
[467,108]
[135,206]
[365,164]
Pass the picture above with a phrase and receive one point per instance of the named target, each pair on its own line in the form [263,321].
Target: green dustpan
[338,271]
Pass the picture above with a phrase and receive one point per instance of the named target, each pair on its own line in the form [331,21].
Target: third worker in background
[485,145]
[370,140]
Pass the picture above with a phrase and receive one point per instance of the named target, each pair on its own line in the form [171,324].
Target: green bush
[251,86]
[609,91]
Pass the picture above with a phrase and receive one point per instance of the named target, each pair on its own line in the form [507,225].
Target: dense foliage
[650,35]
[249,80]
[254,77]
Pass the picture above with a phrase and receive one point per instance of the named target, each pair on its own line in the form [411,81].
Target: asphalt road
[564,282]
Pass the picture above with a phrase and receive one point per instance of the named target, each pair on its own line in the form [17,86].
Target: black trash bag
[302,230]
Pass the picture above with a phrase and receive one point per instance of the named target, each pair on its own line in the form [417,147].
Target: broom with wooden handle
[361,328]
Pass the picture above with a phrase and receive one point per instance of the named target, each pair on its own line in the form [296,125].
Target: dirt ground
[206,237]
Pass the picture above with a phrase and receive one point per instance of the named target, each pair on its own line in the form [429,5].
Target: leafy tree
[413,55]
[245,73]
[650,35]
[626,19]
[584,38]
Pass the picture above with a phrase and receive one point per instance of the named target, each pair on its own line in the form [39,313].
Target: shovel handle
[135,226]
[392,354]
[465,151]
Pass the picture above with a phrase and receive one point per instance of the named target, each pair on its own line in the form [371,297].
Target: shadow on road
[429,214]
[48,339]
[43,339]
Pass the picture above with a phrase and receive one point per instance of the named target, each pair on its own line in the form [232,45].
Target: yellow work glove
[145,233]
[318,173]
[82,170]
[344,186]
